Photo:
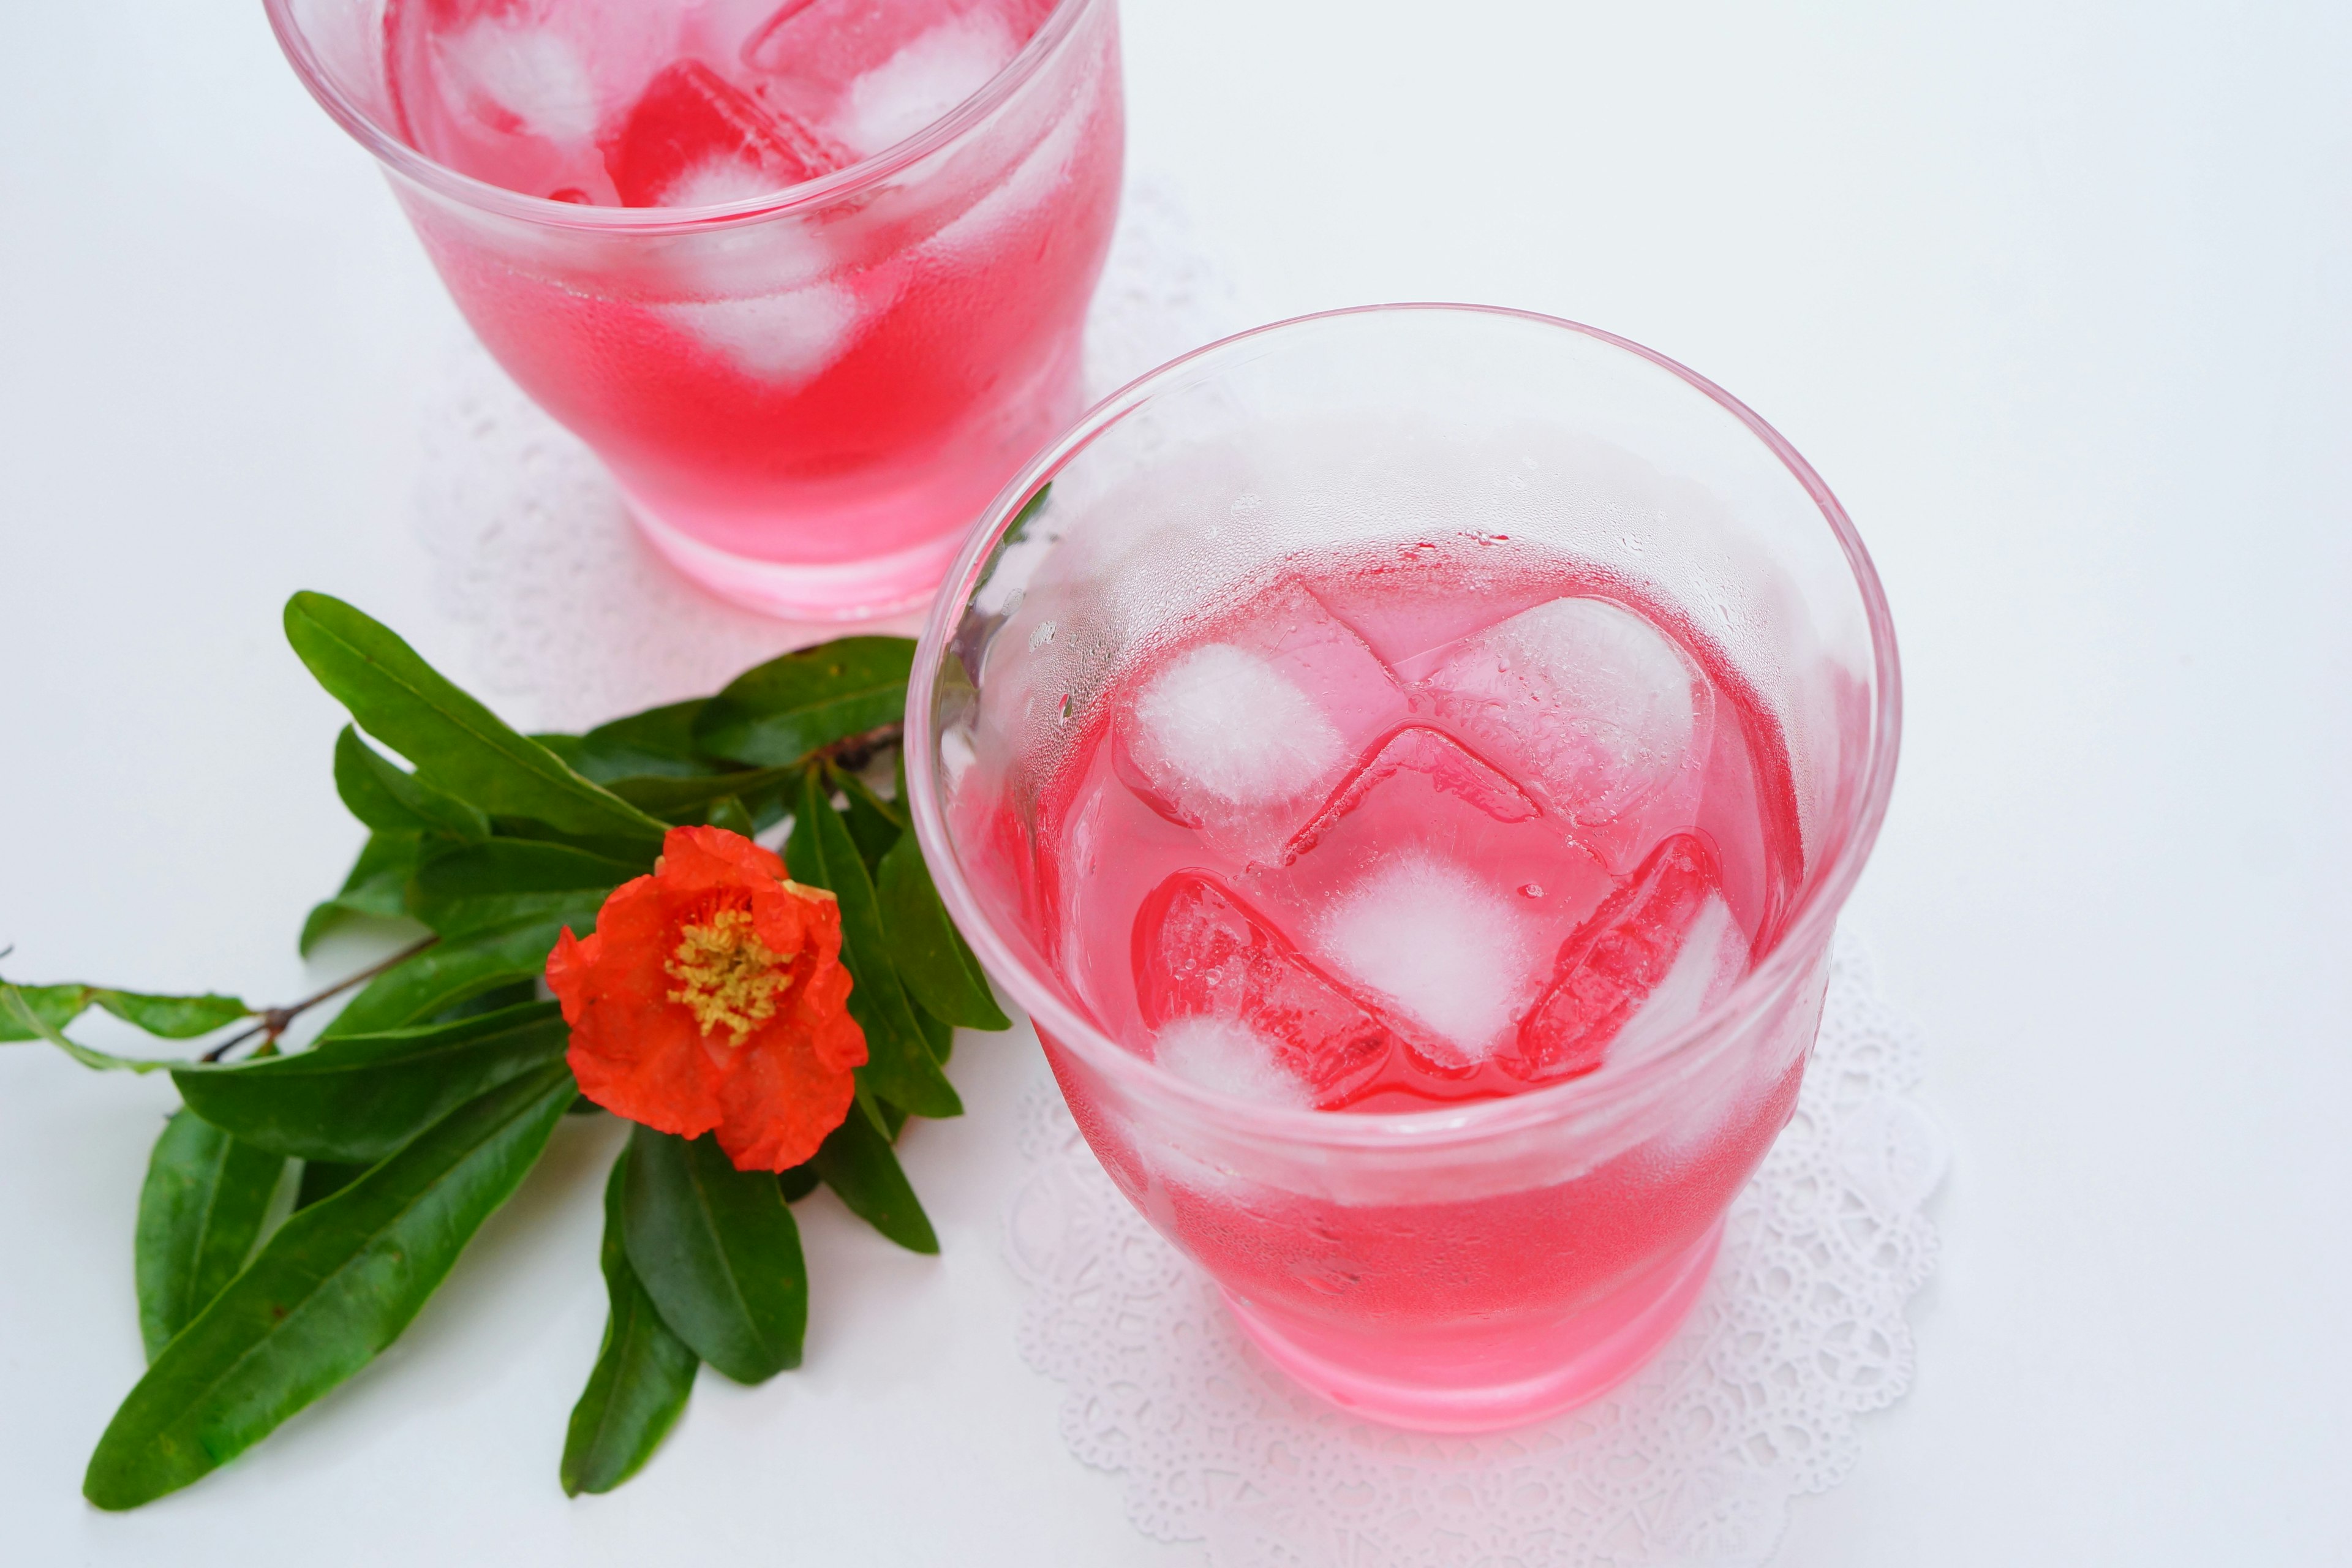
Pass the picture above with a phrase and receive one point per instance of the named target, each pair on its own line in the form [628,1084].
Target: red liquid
[1393,835]
[1419,847]
[843,383]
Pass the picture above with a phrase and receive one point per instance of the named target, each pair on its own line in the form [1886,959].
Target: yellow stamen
[729,977]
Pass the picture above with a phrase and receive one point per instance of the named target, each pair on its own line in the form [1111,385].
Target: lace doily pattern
[573,619]
[1692,1461]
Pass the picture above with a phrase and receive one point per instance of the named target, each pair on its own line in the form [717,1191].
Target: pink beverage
[1407,762]
[1444,824]
[1395,834]
[808,275]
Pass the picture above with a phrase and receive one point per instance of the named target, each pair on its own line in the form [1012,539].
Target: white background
[2059,298]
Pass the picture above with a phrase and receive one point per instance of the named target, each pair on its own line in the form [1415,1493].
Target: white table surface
[2058,297]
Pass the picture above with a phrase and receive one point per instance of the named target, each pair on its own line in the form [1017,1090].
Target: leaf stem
[275,1020]
[852,753]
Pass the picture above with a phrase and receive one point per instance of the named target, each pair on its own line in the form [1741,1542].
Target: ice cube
[517,93]
[921,82]
[806,36]
[1655,953]
[1712,959]
[1442,761]
[1227,1056]
[1223,739]
[1441,945]
[1201,953]
[1331,662]
[1579,698]
[769,44]
[1260,731]
[695,139]
[1487,885]
[1015,206]
[784,340]
[808,52]
[520,79]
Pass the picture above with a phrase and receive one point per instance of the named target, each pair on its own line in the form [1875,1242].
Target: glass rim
[398,156]
[1470,1121]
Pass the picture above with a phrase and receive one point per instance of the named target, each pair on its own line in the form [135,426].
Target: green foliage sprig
[424,1103]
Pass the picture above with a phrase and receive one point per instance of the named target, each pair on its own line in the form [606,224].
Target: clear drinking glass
[807,395]
[1482,1263]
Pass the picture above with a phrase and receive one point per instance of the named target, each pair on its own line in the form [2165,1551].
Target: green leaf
[506,881]
[568,750]
[656,744]
[629,851]
[335,1286]
[26,1014]
[168,1017]
[729,815]
[932,959]
[322,1179]
[29,1012]
[643,1376]
[799,1182]
[172,1018]
[458,745]
[872,826]
[200,1212]
[858,791]
[857,1163]
[938,1036]
[683,799]
[324,917]
[718,1251]
[45,1009]
[777,714]
[357,1098]
[457,970]
[391,800]
[497,998]
[377,887]
[898,1065]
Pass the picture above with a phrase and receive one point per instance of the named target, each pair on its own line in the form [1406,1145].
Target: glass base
[1498,1387]
[823,591]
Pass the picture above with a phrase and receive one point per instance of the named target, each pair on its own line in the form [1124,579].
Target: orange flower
[712,994]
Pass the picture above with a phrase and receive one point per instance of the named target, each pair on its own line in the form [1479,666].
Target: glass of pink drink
[1408,762]
[807,275]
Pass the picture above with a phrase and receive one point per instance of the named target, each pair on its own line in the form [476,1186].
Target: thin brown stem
[854,751]
[276,1020]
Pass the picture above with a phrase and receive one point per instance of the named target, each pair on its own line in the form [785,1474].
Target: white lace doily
[573,619]
[1692,1462]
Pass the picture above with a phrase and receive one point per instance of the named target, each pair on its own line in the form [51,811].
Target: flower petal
[640,1051]
[781,1101]
[634,1052]
[696,859]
